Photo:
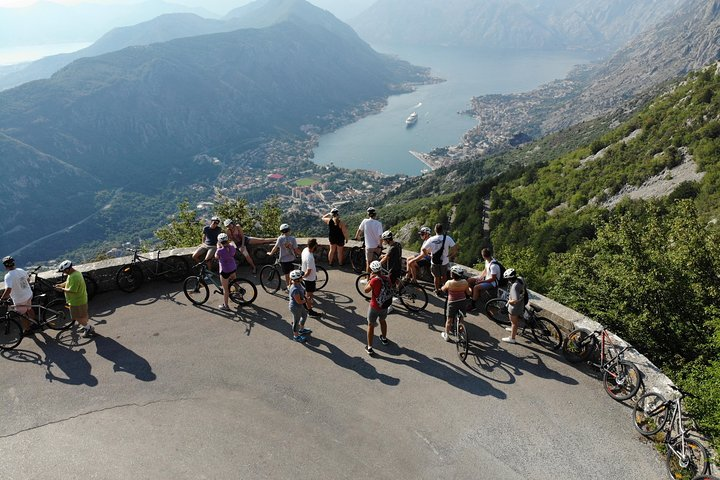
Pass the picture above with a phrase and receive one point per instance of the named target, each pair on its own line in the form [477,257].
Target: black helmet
[9,261]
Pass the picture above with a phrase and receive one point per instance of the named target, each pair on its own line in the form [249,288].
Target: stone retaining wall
[103,272]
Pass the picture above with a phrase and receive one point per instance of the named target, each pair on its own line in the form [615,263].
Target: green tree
[185,230]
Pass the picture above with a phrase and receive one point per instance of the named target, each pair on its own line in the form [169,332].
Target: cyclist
[76,296]
[18,289]
[298,304]
[392,260]
[375,311]
[209,242]
[440,247]
[420,260]
[516,302]
[337,236]
[457,290]
[225,255]
[287,245]
[309,274]
[237,236]
[487,279]
[371,230]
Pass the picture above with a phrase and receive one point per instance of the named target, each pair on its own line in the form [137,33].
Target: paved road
[173,391]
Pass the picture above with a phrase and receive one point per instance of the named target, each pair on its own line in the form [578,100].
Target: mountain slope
[521,24]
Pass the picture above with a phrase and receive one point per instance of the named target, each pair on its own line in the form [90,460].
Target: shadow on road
[72,363]
[124,359]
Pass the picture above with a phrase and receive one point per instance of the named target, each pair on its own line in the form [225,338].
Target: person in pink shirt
[225,255]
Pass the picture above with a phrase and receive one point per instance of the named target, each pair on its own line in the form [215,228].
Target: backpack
[384,298]
[502,281]
[437,256]
[526,295]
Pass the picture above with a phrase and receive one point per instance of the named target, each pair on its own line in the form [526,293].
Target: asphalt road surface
[168,390]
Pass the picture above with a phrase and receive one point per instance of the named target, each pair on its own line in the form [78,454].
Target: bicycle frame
[676,424]
[140,260]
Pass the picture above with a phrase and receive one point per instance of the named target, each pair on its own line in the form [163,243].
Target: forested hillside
[623,229]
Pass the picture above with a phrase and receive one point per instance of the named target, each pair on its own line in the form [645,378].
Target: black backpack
[526,295]
[502,281]
[385,297]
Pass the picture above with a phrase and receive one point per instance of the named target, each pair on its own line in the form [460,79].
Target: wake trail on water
[417,106]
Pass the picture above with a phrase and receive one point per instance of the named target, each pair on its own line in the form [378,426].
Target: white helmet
[222,238]
[284,227]
[228,222]
[387,235]
[296,274]
[375,266]
[64,265]
[457,270]
[509,274]
[425,230]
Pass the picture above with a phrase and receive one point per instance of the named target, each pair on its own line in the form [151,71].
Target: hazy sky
[343,9]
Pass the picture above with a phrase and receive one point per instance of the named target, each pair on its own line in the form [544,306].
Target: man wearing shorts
[309,275]
[420,260]
[371,230]
[18,289]
[208,246]
[487,279]
[76,296]
[440,247]
[287,246]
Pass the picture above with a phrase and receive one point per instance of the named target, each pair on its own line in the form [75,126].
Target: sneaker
[369,350]
[384,340]
[315,314]
[299,338]
[445,336]
[509,329]
[390,309]
[224,307]
[305,331]
[396,301]
[88,332]
[508,340]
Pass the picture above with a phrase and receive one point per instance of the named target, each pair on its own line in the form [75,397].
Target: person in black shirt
[392,260]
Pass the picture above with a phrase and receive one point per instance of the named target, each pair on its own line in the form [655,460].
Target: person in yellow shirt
[76,296]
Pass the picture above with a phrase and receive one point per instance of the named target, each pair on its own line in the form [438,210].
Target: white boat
[412,119]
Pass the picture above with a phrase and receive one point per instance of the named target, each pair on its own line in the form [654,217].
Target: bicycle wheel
[56,315]
[176,268]
[90,285]
[650,414]
[579,345]
[497,311]
[706,477]
[360,283]
[686,463]
[462,340]
[196,290]
[242,291]
[357,259]
[413,296]
[270,278]
[322,277]
[547,333]
[129,278]
[10,333]
[622,380]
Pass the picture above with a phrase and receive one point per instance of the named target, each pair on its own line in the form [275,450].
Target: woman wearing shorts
[225,255]
[457,290]
[337,236]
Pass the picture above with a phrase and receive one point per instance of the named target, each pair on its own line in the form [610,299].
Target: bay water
[382,141]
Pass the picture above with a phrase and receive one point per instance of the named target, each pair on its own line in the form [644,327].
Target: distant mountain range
[595,25]
[141,118]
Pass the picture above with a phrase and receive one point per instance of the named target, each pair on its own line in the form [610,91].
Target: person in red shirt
[375,311]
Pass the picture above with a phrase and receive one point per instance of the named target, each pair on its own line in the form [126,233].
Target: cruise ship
[411,120]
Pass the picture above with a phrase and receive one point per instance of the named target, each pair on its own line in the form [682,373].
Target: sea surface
[30,53]
[382,141]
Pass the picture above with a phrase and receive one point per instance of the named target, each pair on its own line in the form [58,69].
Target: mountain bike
[196,289]
[412,295]
[685,457]
[53,315]
[130,276]
[621,378]
[271,276]
[42,286]
[544,331]
[358,259]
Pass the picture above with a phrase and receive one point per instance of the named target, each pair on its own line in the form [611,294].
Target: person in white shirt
[371,229]
[440,247]
[488,278]
[309,275]
[17,287]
